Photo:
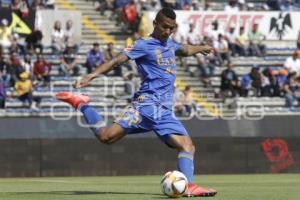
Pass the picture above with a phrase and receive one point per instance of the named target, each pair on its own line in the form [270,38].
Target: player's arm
[189,50]
[101,69]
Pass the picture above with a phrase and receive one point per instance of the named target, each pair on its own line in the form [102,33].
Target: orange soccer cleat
[73,99]
[194,190]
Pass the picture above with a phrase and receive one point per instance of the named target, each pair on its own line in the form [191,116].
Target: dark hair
[167,12]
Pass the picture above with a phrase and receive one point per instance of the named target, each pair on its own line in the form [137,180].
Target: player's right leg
[107,135]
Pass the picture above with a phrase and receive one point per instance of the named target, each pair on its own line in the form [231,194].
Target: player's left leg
[185,164]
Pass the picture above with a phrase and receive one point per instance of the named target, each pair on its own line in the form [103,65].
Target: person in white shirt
[292,64]
[232,6]
[230,36]
[57,38]
[194,38]
[215,31]
[222,50]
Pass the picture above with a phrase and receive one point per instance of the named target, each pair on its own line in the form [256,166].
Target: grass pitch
[230,187]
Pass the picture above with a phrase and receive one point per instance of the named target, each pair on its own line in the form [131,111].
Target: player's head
[164,23]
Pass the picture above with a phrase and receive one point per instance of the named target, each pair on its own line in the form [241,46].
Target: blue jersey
[157,67]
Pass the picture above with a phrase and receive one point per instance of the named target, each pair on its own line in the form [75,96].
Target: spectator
[229,82]
[231,36]
[14,68]
[242,42]
[34,42]
[179,102]
[286,5]
[118,7]
[292,90]
[37,5]
[256,48]
[188,100]
[222,50]
[5,33]
[215,31]
[69,36]
[94,58]
[57,38]
[23,90]
[69,63]
[178,37]
[245,85]
[110,52]
[20,7]
[27,65]
[232,6]
[4,68]
[256,80]
[194,38]
[41,70]
[281,79]
[292,63]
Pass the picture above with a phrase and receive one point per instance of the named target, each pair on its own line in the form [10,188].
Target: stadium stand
[100,28]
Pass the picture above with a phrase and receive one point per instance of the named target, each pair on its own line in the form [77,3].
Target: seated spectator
[232,6]
[5,33]
[188,100]
[256,80]
[20,7]
[69,63]
[194,38]
[241,42]
[23,90]
[292,90]
[215,31]
[94,58]
[41,70]
[229,82]
[222,50]
[14,68]
[179,102]
[37,5]
[34,42]
[245,85]
[256,48]
[286,5]
[57,38]
[69,36]
[230,36]
[281,79]
[27,65]
[292,63]
[4,68]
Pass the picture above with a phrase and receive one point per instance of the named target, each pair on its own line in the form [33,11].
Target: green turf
[230,187]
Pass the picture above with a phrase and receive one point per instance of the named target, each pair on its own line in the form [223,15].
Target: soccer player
[152,105]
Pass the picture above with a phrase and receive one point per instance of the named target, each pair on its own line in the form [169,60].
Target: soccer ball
[173,184]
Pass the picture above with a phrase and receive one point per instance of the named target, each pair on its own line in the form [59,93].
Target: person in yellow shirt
[242,42]
[23,89]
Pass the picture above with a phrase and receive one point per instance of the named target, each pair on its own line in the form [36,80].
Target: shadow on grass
[154,195]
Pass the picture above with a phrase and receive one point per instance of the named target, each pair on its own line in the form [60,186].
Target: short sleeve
[136,50]
[174,45]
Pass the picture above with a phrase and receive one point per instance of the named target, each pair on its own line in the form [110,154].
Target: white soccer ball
[173,184]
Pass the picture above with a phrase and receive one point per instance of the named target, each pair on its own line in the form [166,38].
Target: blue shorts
[150,117]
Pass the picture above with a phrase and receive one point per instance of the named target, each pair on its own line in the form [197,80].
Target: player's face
[164,27]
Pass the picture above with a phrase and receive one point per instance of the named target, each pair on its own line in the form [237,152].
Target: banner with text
[274,25]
